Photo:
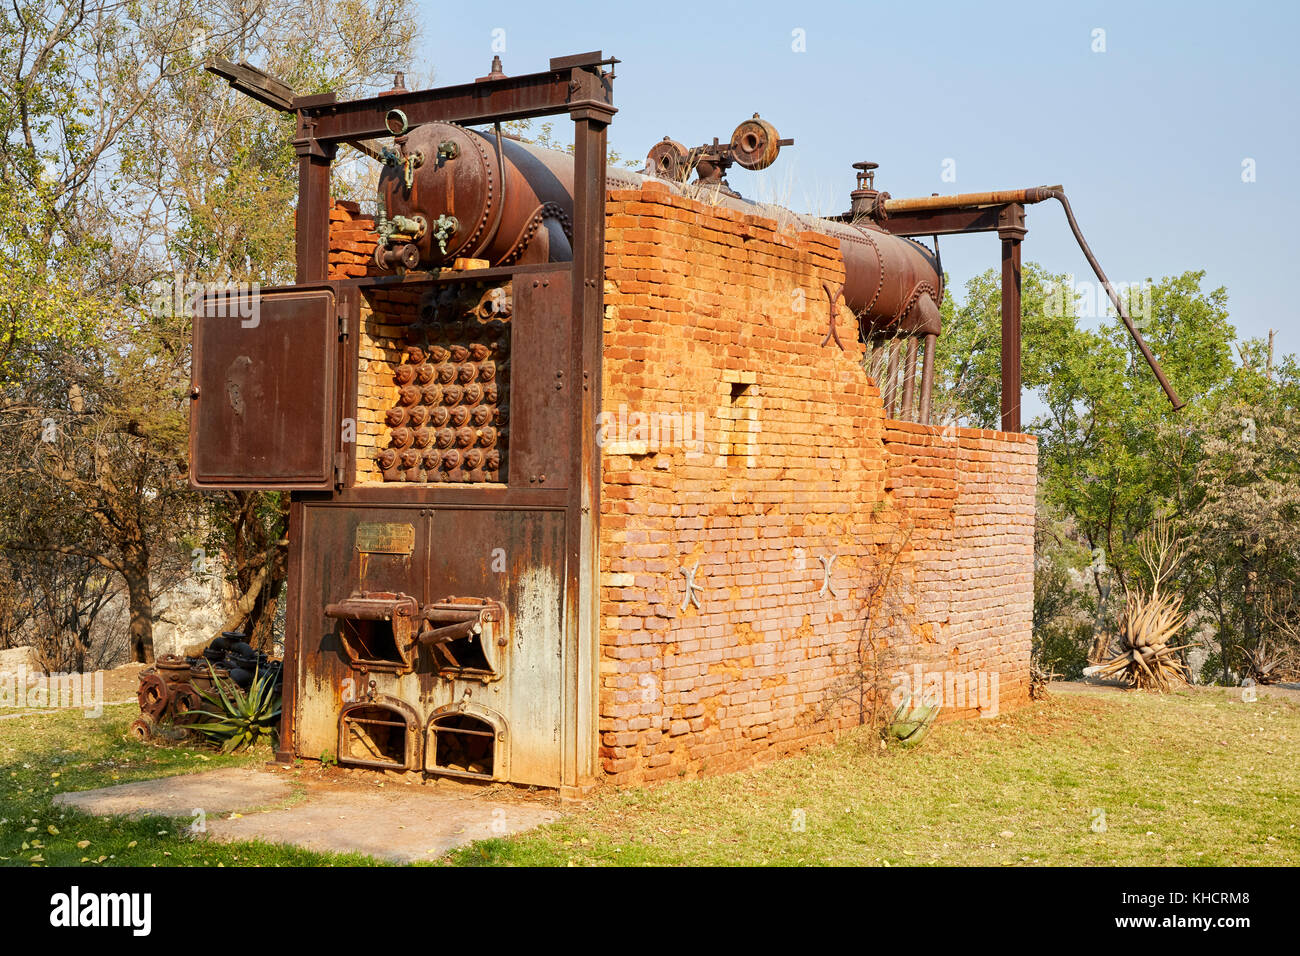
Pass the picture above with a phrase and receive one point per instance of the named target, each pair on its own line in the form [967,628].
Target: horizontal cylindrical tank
[451,192]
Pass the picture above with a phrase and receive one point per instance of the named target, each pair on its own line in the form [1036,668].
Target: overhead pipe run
[1029,196]
[448,192]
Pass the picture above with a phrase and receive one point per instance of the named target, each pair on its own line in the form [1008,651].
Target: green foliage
[241,719]
[1114,457]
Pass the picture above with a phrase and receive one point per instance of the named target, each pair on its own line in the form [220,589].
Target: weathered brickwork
[745,457]
[718,316]
[352,242]
[385,317]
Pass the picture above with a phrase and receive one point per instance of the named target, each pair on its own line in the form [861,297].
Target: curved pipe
[1058,194]
[1036,194]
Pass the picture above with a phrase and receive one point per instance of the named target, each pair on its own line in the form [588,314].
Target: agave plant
[911,723]
[240,718]
[1262,664]
[1147,659]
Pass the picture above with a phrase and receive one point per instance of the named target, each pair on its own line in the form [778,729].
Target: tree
[126,170]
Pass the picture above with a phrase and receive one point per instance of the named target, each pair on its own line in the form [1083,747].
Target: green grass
[43,755]
[1193,778]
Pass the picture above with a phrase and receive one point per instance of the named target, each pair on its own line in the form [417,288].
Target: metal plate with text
[386,538]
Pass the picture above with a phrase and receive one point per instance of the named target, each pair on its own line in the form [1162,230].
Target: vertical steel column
[909,379]
[591,115]
[312,234]
[286,746]
[890,395]
[311,241]
[1011,230]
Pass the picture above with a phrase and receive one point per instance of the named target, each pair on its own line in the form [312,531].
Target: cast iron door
[263,407]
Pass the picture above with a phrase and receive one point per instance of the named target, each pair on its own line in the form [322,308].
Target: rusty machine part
[378,629]
[449,192]
[1002,211]
[467,636]
[449,425]
[171,691]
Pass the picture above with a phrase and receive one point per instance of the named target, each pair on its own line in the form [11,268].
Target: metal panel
[516,557]
[542,386]
[263,384]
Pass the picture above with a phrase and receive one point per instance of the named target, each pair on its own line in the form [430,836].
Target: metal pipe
[875,367]
[1058,194]
[927,377]
[909,379]
[451,632]
[999,197]
[891,378]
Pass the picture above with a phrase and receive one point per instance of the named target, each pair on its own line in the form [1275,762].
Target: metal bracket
[691,596]
[833,294]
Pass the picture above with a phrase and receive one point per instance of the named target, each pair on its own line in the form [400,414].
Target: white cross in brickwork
[691,596]
[827,587]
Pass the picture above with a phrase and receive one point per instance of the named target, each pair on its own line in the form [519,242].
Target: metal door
[263,395]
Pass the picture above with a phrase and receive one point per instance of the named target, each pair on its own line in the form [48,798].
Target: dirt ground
[1284,691]
[121,683]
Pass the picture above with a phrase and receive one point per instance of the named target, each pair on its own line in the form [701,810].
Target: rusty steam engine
[443,593]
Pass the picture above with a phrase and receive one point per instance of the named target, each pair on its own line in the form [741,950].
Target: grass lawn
[45,754]
[1194,778]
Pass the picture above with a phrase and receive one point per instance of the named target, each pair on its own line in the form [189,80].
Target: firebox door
[377,629]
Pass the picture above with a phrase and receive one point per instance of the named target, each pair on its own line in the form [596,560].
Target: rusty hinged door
[264,390]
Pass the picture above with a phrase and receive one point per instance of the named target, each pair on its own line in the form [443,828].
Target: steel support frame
[1011,230]
[1008,221]
[576,85]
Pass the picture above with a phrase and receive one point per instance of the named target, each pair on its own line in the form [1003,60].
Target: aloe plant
[242,718]
[910,723]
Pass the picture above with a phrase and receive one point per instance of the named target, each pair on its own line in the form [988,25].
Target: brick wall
[743,454]
[352,241]
[718,318]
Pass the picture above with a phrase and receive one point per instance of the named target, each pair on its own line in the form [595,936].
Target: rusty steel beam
[942,222]
[562,88]
[1011,231]
[590,121]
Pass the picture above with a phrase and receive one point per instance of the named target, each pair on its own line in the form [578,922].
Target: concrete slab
[402,826]
[215,791]
[399,822]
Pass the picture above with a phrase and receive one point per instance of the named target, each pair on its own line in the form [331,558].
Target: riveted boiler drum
[449,192]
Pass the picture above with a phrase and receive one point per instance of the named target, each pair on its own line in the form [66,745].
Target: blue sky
[1148,137]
